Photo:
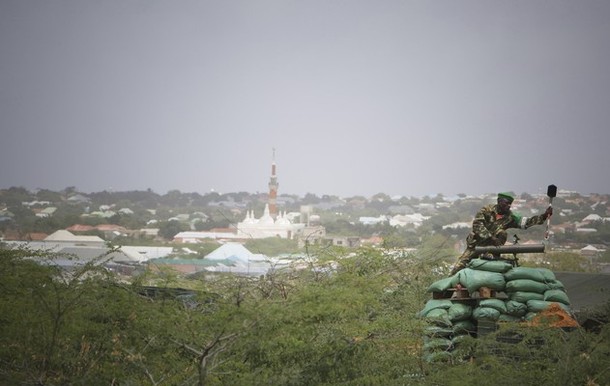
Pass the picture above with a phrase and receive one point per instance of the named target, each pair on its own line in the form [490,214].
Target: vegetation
[272,246]
[341,321]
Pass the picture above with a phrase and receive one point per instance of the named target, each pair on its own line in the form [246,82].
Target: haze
[357,97]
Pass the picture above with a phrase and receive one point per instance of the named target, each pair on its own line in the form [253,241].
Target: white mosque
[271,224]
[266,226]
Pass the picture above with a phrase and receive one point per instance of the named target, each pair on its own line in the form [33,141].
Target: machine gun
[495,252]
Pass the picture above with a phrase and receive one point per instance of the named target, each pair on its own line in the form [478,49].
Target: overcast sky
[357,97]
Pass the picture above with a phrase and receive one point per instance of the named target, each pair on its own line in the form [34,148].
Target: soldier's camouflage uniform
[489,223]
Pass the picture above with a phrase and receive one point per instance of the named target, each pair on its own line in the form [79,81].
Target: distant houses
[228,258]
[75,250]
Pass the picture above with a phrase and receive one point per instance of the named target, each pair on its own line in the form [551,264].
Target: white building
[372,220]
[193,237]
[266,226]
[415,219]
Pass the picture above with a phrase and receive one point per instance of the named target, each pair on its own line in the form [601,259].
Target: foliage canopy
[345,321]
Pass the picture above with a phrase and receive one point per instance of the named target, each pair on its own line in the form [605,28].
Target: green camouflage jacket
[488,223]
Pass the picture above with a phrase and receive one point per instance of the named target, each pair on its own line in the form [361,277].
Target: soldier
[490,224]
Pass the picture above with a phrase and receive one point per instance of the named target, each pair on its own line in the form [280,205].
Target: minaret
[273,189]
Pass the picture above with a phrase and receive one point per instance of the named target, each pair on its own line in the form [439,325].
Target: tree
[605,257]
[169,229]
[14,196]
[343,319]
[66,333]
[48,195]
[310,198]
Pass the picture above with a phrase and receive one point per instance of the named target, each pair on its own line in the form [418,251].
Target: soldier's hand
[548,213]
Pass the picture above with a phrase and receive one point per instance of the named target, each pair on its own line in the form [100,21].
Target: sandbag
[541,305]
[473,279]
[526,285]
[485,313]
[542,275]
[515,308]
[464,327]
[439,317]
[459,311]
[555,284]
[523,296]
[530,315]
[557,295]
[494,303]
[443,284]
[433,304]
[437,344]
[438,332]
[499,266]
[456,340]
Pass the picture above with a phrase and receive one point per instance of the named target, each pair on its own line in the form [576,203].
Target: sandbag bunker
[474,300]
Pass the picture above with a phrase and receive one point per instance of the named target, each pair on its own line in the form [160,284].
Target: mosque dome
[282,220]
[266,219]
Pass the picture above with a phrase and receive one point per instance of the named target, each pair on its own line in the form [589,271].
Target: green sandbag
[474,279]
[523,296]
[526,285]
[439,317]
[433,304]
[541,305]
[542,275]
[464,327]
[557,295]
[438,332]
[459,311]
[499,266]
[494,303]
[485,313]
[444,284]
[509,318]
[555,284]
[515,308]
[437,344]
[530,315]
[456,340]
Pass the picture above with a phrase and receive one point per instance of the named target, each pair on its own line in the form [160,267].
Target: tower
[273,185]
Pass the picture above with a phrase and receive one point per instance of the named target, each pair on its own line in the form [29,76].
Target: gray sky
[358,97]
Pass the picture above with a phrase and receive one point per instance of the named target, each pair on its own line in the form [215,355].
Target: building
[272,223]
[273,185]
[231,258]
[266,226]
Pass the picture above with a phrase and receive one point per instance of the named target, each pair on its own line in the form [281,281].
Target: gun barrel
[516,248]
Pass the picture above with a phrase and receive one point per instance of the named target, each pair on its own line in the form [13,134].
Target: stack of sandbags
[528,292]
[448,323]
[490,274]
[535,289]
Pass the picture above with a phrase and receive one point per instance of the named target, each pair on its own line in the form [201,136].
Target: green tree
[14,196]
[48,195]
[605,257]
[169,229]
[342,319]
